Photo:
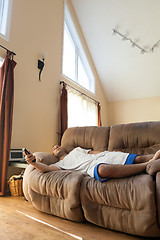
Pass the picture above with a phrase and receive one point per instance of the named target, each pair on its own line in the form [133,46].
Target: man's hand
[29,158]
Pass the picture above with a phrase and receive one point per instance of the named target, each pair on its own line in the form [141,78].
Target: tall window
[75,64]
[5,16]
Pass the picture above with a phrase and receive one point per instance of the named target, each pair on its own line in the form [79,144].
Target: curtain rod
[7,50]
[79,92]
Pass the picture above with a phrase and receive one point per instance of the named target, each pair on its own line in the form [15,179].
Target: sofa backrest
[95,138]
[139,138]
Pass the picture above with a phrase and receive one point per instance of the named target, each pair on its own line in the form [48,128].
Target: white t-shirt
[79,159]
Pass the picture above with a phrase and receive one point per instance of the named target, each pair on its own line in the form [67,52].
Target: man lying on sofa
[102,165]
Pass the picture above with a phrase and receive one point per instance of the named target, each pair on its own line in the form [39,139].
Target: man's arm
[40,166]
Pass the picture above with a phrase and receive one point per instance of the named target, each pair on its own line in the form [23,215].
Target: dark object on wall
[40,66]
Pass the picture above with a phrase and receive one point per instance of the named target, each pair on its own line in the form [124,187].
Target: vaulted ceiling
[124,72]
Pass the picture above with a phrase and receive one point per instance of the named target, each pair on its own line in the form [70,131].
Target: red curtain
[63,109]
[99,115]
[6,112]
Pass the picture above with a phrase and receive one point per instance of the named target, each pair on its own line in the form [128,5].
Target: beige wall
[146,109]
[36,27]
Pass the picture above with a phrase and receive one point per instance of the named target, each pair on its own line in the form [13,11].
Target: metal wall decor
[134,44]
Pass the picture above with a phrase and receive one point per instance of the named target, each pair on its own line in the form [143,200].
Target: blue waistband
[130,158]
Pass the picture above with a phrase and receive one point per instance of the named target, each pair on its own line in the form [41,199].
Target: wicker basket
[15,185]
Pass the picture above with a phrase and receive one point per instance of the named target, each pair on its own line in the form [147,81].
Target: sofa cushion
[126,204]
[93,137]
[138,138]
[46,158]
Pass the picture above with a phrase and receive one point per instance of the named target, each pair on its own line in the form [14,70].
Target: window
[69,54]
[82,111]
[75,64]
[5,16]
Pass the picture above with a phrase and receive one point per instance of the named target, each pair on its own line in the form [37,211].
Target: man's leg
[147,158]
[119,171]
[143,158]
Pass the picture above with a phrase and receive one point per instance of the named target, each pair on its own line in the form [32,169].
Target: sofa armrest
[158,196]
[27,172]
[57,193]
[46,158]
[43,157]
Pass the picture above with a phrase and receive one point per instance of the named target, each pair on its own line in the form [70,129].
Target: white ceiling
[125,73]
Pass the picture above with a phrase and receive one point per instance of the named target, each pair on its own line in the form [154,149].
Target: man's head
[59,151]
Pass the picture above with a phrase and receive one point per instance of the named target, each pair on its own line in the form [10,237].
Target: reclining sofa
[130,205]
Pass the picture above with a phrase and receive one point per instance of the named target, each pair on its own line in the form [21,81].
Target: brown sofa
[129,205]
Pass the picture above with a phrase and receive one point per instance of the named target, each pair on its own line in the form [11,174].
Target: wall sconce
[40,66]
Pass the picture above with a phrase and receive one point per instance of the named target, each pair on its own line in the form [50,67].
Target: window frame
[79,51]
[8,21]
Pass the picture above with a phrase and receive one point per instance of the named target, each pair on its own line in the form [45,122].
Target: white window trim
[6,36]
[79,47]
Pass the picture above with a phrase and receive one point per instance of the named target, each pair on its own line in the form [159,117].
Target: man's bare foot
[156,156]
[153,167]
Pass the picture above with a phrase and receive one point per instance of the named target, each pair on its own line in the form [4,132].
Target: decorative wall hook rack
[134,44]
